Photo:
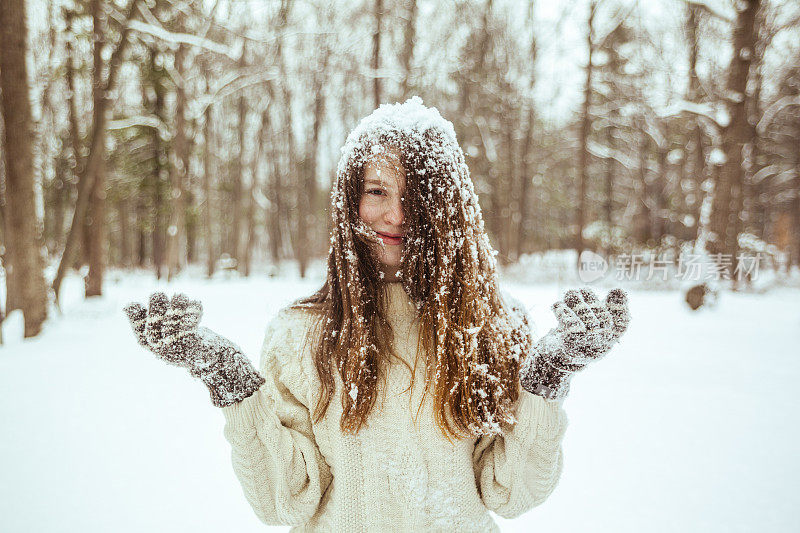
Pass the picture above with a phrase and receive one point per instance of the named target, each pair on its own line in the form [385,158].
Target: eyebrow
[376,182]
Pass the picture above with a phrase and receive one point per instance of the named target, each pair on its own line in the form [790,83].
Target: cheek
[366,211]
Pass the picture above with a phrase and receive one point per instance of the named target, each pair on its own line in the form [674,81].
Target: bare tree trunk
[464,100]
[178,170]
[608,202]
[290,214]
[726,207]
[697,158]
[158,231]
[94,158]
[409,36]
[255,183]
[158,184]
[274,215]
[509,204]
[796,209]
[583,156]
[49,157]
[98,236]
[190,186]
[80,253]
[238,177]
[307,195]
[311,175]
[643,226]
[760,209]
[525,183]
[290,190]
[2,197]
[60,198]
[376,52]
[74,130]
[3,247]
[123,210]
[699,174]
[659,202]
[25,283]
[525,156]
[141,234]
[95,222]
[208,219]
[274,188]
[158,234]
[752,204]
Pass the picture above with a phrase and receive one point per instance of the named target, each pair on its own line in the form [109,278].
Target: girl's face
[381,208]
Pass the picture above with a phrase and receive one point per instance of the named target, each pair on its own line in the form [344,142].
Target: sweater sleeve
[275,456]
[519,468]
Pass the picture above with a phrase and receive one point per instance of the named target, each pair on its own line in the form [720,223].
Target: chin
[390,260]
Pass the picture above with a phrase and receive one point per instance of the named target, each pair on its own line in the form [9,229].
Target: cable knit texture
[399,473]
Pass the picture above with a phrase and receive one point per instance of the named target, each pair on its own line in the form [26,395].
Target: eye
[376,192]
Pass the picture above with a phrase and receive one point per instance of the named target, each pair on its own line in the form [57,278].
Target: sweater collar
[399,305]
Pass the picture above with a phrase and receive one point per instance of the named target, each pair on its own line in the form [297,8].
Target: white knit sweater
[396,474]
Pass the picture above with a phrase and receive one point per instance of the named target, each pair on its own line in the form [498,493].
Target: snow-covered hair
[473,345]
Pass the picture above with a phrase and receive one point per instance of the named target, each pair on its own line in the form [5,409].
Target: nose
[394,214]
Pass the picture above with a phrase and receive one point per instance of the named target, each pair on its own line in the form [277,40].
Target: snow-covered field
[690,424]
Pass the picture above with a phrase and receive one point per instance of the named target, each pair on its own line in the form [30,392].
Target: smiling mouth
[391,239]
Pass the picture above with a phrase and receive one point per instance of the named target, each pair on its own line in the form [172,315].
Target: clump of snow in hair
[411,117]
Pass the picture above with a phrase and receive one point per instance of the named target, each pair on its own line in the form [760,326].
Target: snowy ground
[691,424]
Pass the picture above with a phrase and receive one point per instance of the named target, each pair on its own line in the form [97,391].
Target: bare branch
[702,5]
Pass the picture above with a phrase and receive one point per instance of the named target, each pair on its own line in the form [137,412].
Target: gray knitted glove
[170,330]
[587,329]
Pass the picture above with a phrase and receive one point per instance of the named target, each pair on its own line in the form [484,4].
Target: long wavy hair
[473,343]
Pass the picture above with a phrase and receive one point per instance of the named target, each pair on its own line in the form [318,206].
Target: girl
[406,394]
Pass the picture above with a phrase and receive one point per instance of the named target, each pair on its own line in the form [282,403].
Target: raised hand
[587,327]
[587,330]
[170,330]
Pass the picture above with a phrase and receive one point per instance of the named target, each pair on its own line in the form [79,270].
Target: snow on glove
[587,329]
[170,330]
